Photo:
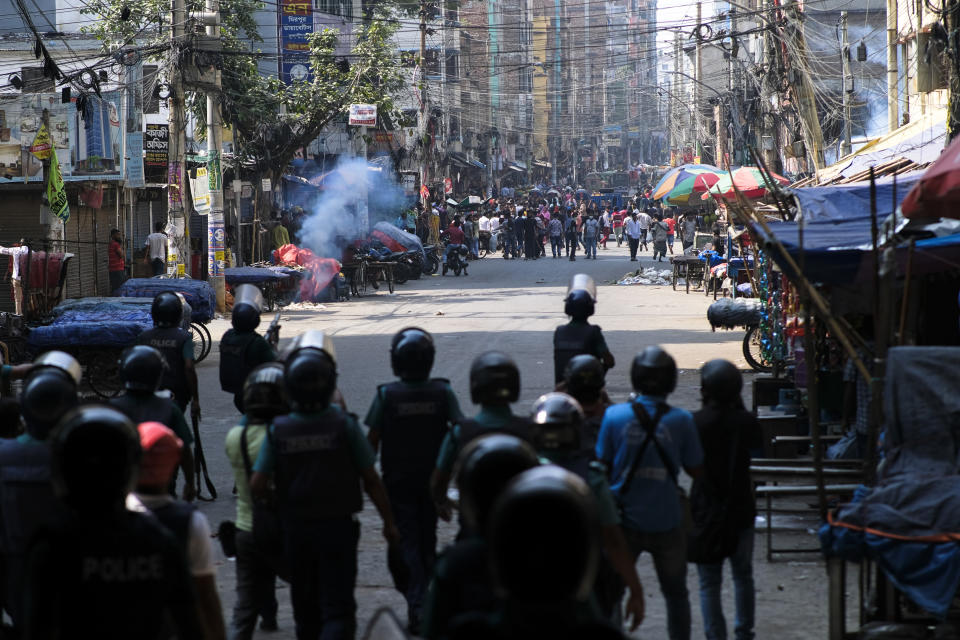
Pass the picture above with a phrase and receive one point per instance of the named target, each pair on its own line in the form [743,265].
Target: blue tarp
[842,201]
[199,294]
[257,275]
[93,322]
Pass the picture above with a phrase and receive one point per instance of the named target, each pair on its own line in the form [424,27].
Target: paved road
[512,306]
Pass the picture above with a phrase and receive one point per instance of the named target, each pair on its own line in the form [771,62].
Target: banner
[56,194]
[134,160]
[213,170]
[363,115]
[157,147]
[447,186]
[296,26]
[200,191]
[42,146]
[424,192]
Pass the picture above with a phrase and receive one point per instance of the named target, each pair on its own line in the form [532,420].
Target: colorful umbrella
[748,181]
[937,194]
[703,182]
[677,185]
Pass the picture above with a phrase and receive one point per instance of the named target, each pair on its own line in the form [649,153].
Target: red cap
[161,454]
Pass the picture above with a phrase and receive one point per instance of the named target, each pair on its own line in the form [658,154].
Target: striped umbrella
[747,180]
[677,185]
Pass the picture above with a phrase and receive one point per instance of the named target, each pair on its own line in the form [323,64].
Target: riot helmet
[580,301]
[653,372]
[487,464]
[544,537]
[95,452]
[167,310]
[314,339]
[557,421]
[247,305]
[584,377]
[264,393]
[411,354]
[49,391]
[141,368]
[494,379]
[310,377]
[720,382]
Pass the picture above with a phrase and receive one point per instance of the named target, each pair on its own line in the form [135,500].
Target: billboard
[296,26]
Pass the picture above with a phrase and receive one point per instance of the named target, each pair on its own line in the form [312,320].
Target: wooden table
[689,268]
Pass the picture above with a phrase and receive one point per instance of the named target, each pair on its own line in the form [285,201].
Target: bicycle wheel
[360,279]
[208,339]
[103,374]
[199,344]
[388,276]
[753,351]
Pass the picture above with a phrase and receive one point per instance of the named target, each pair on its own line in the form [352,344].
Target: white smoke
[336,218]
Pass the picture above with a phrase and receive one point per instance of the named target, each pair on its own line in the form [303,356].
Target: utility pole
[803,89]
[893,120]
[422,122]
[177,250]
[675,104]
[215,228]
[847,147]
[721,148]
[698,72]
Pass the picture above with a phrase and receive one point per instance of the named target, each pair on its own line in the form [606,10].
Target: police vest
[169,342]
[176,516]
[144,407]
[470,429]
[316,477]
[234,367]
[414,424]
[573,339]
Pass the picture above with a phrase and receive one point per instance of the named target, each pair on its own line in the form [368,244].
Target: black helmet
[310,377]
[584,377]
[581,298]
[141,367]
[94,456]
[264,394]
[721,381]
[247,304]
[411,354]
[48,393]
[167,310]
[654,372]
[487,464]
[494,379]
[557,422]
[544,537]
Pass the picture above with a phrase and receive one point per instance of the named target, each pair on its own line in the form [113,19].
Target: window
[453,67]
[343,8]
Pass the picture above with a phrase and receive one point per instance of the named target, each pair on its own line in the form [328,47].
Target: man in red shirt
[671,224]
[617,219]
[456,238]
[116,261]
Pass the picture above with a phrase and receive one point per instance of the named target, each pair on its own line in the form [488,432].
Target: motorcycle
[457,261]
[431,264]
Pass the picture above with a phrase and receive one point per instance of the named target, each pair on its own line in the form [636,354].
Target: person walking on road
[632,228]
[644,219]
[570,230]
[658,229]
[591,230]
[156,255]
[688,231]
[724,497]
[644,443]
[671,223]
[555,229]
[470,236]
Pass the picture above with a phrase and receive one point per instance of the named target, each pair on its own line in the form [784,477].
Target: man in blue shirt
[643,475]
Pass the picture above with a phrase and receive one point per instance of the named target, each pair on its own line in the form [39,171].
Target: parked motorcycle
[431,264]
[457,261]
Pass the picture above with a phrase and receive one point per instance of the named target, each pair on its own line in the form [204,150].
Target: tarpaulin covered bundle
[257,275]
[320,271]
[395,239]
[731,313]
[199,294]
[38,259]
[910,521]
[94,322]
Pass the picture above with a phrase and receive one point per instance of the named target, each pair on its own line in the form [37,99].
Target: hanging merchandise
[772,343]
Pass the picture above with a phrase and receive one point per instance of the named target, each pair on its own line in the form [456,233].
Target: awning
[462,160]
[517,166]
[920,141]
[838,202]
[542,163]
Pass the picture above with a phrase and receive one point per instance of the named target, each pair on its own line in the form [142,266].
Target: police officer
[410,418]
[264,398]
[27,503]
[583,378]
[242,348]
[108,571]
[318,457]
[558,431]
[494,385]
[544,550]
[176,347]
[462,585]
[579,336]
[644,443]
[141,369]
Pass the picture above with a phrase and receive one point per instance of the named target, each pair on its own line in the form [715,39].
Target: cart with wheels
[690,268]
[278,283]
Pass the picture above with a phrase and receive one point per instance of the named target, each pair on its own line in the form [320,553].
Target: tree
[270,120]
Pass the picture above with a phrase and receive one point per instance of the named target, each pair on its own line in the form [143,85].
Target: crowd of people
[534,227]
[556,504]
